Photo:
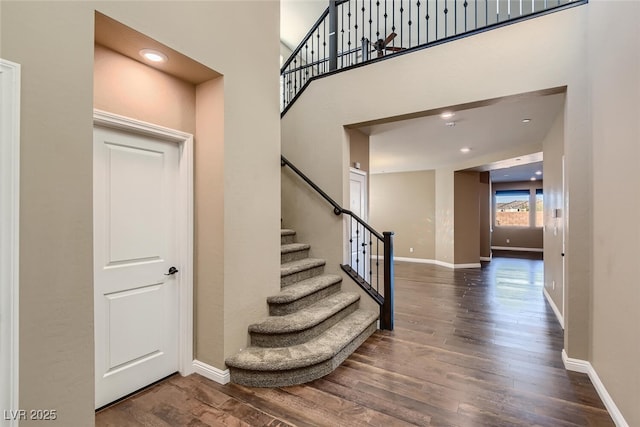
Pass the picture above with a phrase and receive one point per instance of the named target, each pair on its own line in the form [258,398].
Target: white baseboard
[554,307]
[485,258]
[211,372]
[515,248]
[436,262]
[585,367]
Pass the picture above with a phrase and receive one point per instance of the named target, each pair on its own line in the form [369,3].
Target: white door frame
[365,215]
[184,218]
[10,236]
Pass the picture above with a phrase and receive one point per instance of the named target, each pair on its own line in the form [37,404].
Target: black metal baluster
[426,18]
[465,4]
[409,22]
[476,15]
[418,15]
[351,243]
[393,19]
[363,35]
[357,246]
[455,17]
[401,23]
[446,23]
[377,265]
[370,20]
[306,61]
[342,36]
[369,262]
[386,15]
[324,28]
[349,34]
[486,12]
[324,45]
[295,76]
[437,19]
[377,19]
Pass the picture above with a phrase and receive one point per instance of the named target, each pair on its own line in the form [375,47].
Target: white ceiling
[494,133]
[297,17]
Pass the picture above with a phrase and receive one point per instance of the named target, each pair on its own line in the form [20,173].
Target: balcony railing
[352,32]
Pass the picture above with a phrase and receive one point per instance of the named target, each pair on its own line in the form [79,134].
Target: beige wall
[501,68]
[614,47]
[358,149]
[553,226]
[466,217]
[405,203]
[519,237]
[484,196]
[54,43]
[209,250]
[129,88]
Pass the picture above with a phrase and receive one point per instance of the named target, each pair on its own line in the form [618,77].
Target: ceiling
[495,134]
[297,17]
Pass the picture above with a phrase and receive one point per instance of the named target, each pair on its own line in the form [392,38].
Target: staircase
[313,326]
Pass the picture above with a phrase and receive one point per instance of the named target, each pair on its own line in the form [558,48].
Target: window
[539,208]
[512,208]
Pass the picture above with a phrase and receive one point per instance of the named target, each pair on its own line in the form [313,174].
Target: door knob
[172,271]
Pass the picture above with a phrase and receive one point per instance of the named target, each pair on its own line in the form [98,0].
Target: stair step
[293,252]
[287,236]
[304,324]
[303,294]
[296,271]
[297,364]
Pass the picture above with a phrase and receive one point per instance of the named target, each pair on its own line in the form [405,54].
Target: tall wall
[554,213]
[54,43]
[614,68]
[313,135]
[484,196]
[466,217]
[405,203]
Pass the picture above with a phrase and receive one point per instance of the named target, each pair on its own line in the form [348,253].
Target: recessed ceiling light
[538,172]
[465,149]
[153,55]
[533,178]
[447,114]
[526,120]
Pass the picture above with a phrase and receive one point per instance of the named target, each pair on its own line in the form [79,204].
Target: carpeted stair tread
[317,350]
[300,265]
[307,317]
[304,288]
[293,247]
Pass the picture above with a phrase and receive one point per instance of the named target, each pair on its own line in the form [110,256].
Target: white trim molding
[184,220]
[211,372]
[9,236]
[585,367]
[515,248]
[486,258]
[436,262]
[554,307]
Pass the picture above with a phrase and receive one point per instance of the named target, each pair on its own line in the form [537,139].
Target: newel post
[386,310]
[333,36]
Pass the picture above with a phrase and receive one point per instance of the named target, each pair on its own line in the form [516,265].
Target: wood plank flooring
[477,347]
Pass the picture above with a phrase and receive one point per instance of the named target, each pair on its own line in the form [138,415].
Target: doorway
[143,239]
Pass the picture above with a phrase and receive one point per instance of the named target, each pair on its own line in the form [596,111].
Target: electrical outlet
[411,250]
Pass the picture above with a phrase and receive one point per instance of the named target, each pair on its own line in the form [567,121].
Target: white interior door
[357,234]
[136,301]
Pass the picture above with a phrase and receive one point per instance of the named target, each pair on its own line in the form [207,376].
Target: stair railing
[368,249]
[350,33]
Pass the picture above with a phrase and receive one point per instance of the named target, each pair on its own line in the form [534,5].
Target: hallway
[476,347]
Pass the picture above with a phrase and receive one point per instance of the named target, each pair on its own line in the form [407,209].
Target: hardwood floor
[477,347]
